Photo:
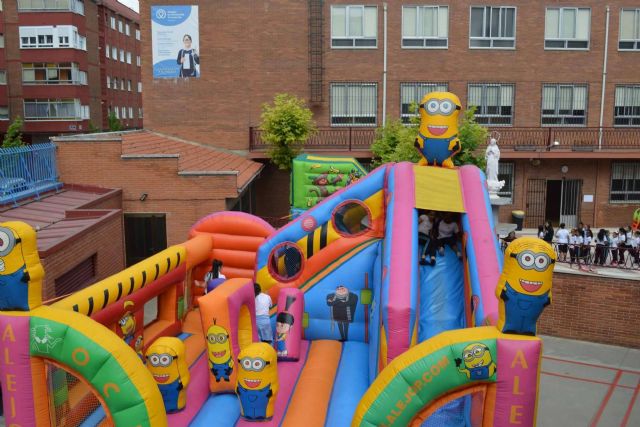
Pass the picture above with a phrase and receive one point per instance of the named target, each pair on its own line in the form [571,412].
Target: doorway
[556,200]
[145,235]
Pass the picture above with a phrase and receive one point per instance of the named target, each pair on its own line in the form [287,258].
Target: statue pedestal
[504,228]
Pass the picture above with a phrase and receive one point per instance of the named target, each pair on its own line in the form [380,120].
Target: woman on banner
[188,58]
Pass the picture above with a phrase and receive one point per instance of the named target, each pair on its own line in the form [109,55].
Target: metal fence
[27,171]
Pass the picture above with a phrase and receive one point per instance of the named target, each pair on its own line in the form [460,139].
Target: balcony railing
[27,172]
[518,139]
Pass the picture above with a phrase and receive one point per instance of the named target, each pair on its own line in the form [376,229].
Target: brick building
[534,70]
[54,68]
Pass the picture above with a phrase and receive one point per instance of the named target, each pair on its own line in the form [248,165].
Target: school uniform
[563,240]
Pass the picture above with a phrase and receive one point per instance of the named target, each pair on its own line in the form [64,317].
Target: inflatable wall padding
[229,320]
[257,381]
[289,324]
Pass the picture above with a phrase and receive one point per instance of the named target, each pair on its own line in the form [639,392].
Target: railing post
[350,135]
[549,139]
[251,142]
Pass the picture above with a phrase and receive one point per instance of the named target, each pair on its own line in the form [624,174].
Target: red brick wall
[272,192]
[184,199]
[597,309]
[105,240]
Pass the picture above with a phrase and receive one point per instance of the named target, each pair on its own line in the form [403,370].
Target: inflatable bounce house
[314,178]
[364,333]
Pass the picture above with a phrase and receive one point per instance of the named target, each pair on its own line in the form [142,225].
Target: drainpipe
[604,78]
[384,68]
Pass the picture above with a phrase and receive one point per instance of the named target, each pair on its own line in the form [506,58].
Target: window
[120,26]
[128,57]
[564,105]
[52,109]
[137,34]
[114,53]
[493,102]
[115,83]
[627,106]
[506,173]
[354,104]
[492,27]
[131,112]
[3,77]
[106,52]
[123,113]
[286,261]
[121,84]
[84,112]
[4,112]
[113,23]
[127,29]
[116,111]
[425,26]
[76,6]
[412,93]
[354,26]
[61,36]
[625,182]
[567,28]
[629,29]
[42,73]
[121,55]
[140,112]
[351,218]
[139,87]
[138,60]
[129,85]
[108,82]
[1,40]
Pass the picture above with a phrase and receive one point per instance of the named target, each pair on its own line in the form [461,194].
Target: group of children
[435,230]
[578,242]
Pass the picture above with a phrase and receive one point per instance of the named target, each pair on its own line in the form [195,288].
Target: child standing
[563,242]
[263,304]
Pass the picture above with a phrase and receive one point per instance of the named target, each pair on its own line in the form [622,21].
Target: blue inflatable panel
[442,296]
[452,414]
[220,410]
[351,382]
[374,320]
[95,418]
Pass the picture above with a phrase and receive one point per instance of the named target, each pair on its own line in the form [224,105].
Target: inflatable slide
[364,334]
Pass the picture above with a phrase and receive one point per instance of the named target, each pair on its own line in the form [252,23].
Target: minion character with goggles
[20,270]
[127,323]
[477,361]
[257,382]
[524,288]
[438,140]
[168,366]
[219,350]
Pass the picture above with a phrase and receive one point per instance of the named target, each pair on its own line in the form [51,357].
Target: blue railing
[27,172]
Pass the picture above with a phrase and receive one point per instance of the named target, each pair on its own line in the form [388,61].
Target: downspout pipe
[604,78]
[384,67]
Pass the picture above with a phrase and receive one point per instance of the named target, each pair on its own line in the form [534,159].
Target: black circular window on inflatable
[285,261]
[351,218]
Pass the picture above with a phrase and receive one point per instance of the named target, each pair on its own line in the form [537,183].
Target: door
[570,202]
[552,203]
[535,207]
[145,235]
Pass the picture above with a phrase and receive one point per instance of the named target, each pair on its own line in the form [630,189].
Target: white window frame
[486,21]
[114,53]
[131,112]
[78,77]
[128,57]
[137,34]
[566,40]
[127,29]
[128,85]
[122,84]
[140,112]
[3,77]
[75,6]
[355,39]
[628,173]
[1,40]
[55,37]
[483,116]
[138,61]
[53,105]
[564,117]
[419,89]
[123,112]
[630,105]
[507,173]
[113,22]
[120,28]
[635,41]
[114,83]
[121,55]
[438,41]
[116,112]
[108,82]
[107,53]
[3,115]
[353,117]
[139,87]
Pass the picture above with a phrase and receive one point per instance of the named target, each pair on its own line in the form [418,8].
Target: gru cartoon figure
[343,309]
[284,323]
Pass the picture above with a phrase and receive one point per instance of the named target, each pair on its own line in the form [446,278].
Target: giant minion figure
[167,364]
[219,350]
[438,140]
[524,288]
[257,381]
[20,270]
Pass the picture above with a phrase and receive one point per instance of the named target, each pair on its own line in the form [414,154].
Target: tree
[114,122]
[286,125]
[13,137]
[395,141]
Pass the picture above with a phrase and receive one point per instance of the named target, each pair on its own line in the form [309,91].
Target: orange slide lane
[310,401]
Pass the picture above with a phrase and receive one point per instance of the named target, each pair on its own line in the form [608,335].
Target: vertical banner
[175,41]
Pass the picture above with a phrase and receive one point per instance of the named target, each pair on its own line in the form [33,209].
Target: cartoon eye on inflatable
[446,107]
[165,360]
[432,106]
[246,364]
[542,261]
[258,364]
[7,241]
[285,261]
[351,218]
[154,359]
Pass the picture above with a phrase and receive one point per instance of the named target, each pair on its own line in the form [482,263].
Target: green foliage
[395,141]
[13,137]
[472,136]
[93,128]
[286,125]
[114,123]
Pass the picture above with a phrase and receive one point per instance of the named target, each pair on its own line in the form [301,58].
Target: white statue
[492,156]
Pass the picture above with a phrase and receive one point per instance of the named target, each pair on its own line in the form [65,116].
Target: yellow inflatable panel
[438,189]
